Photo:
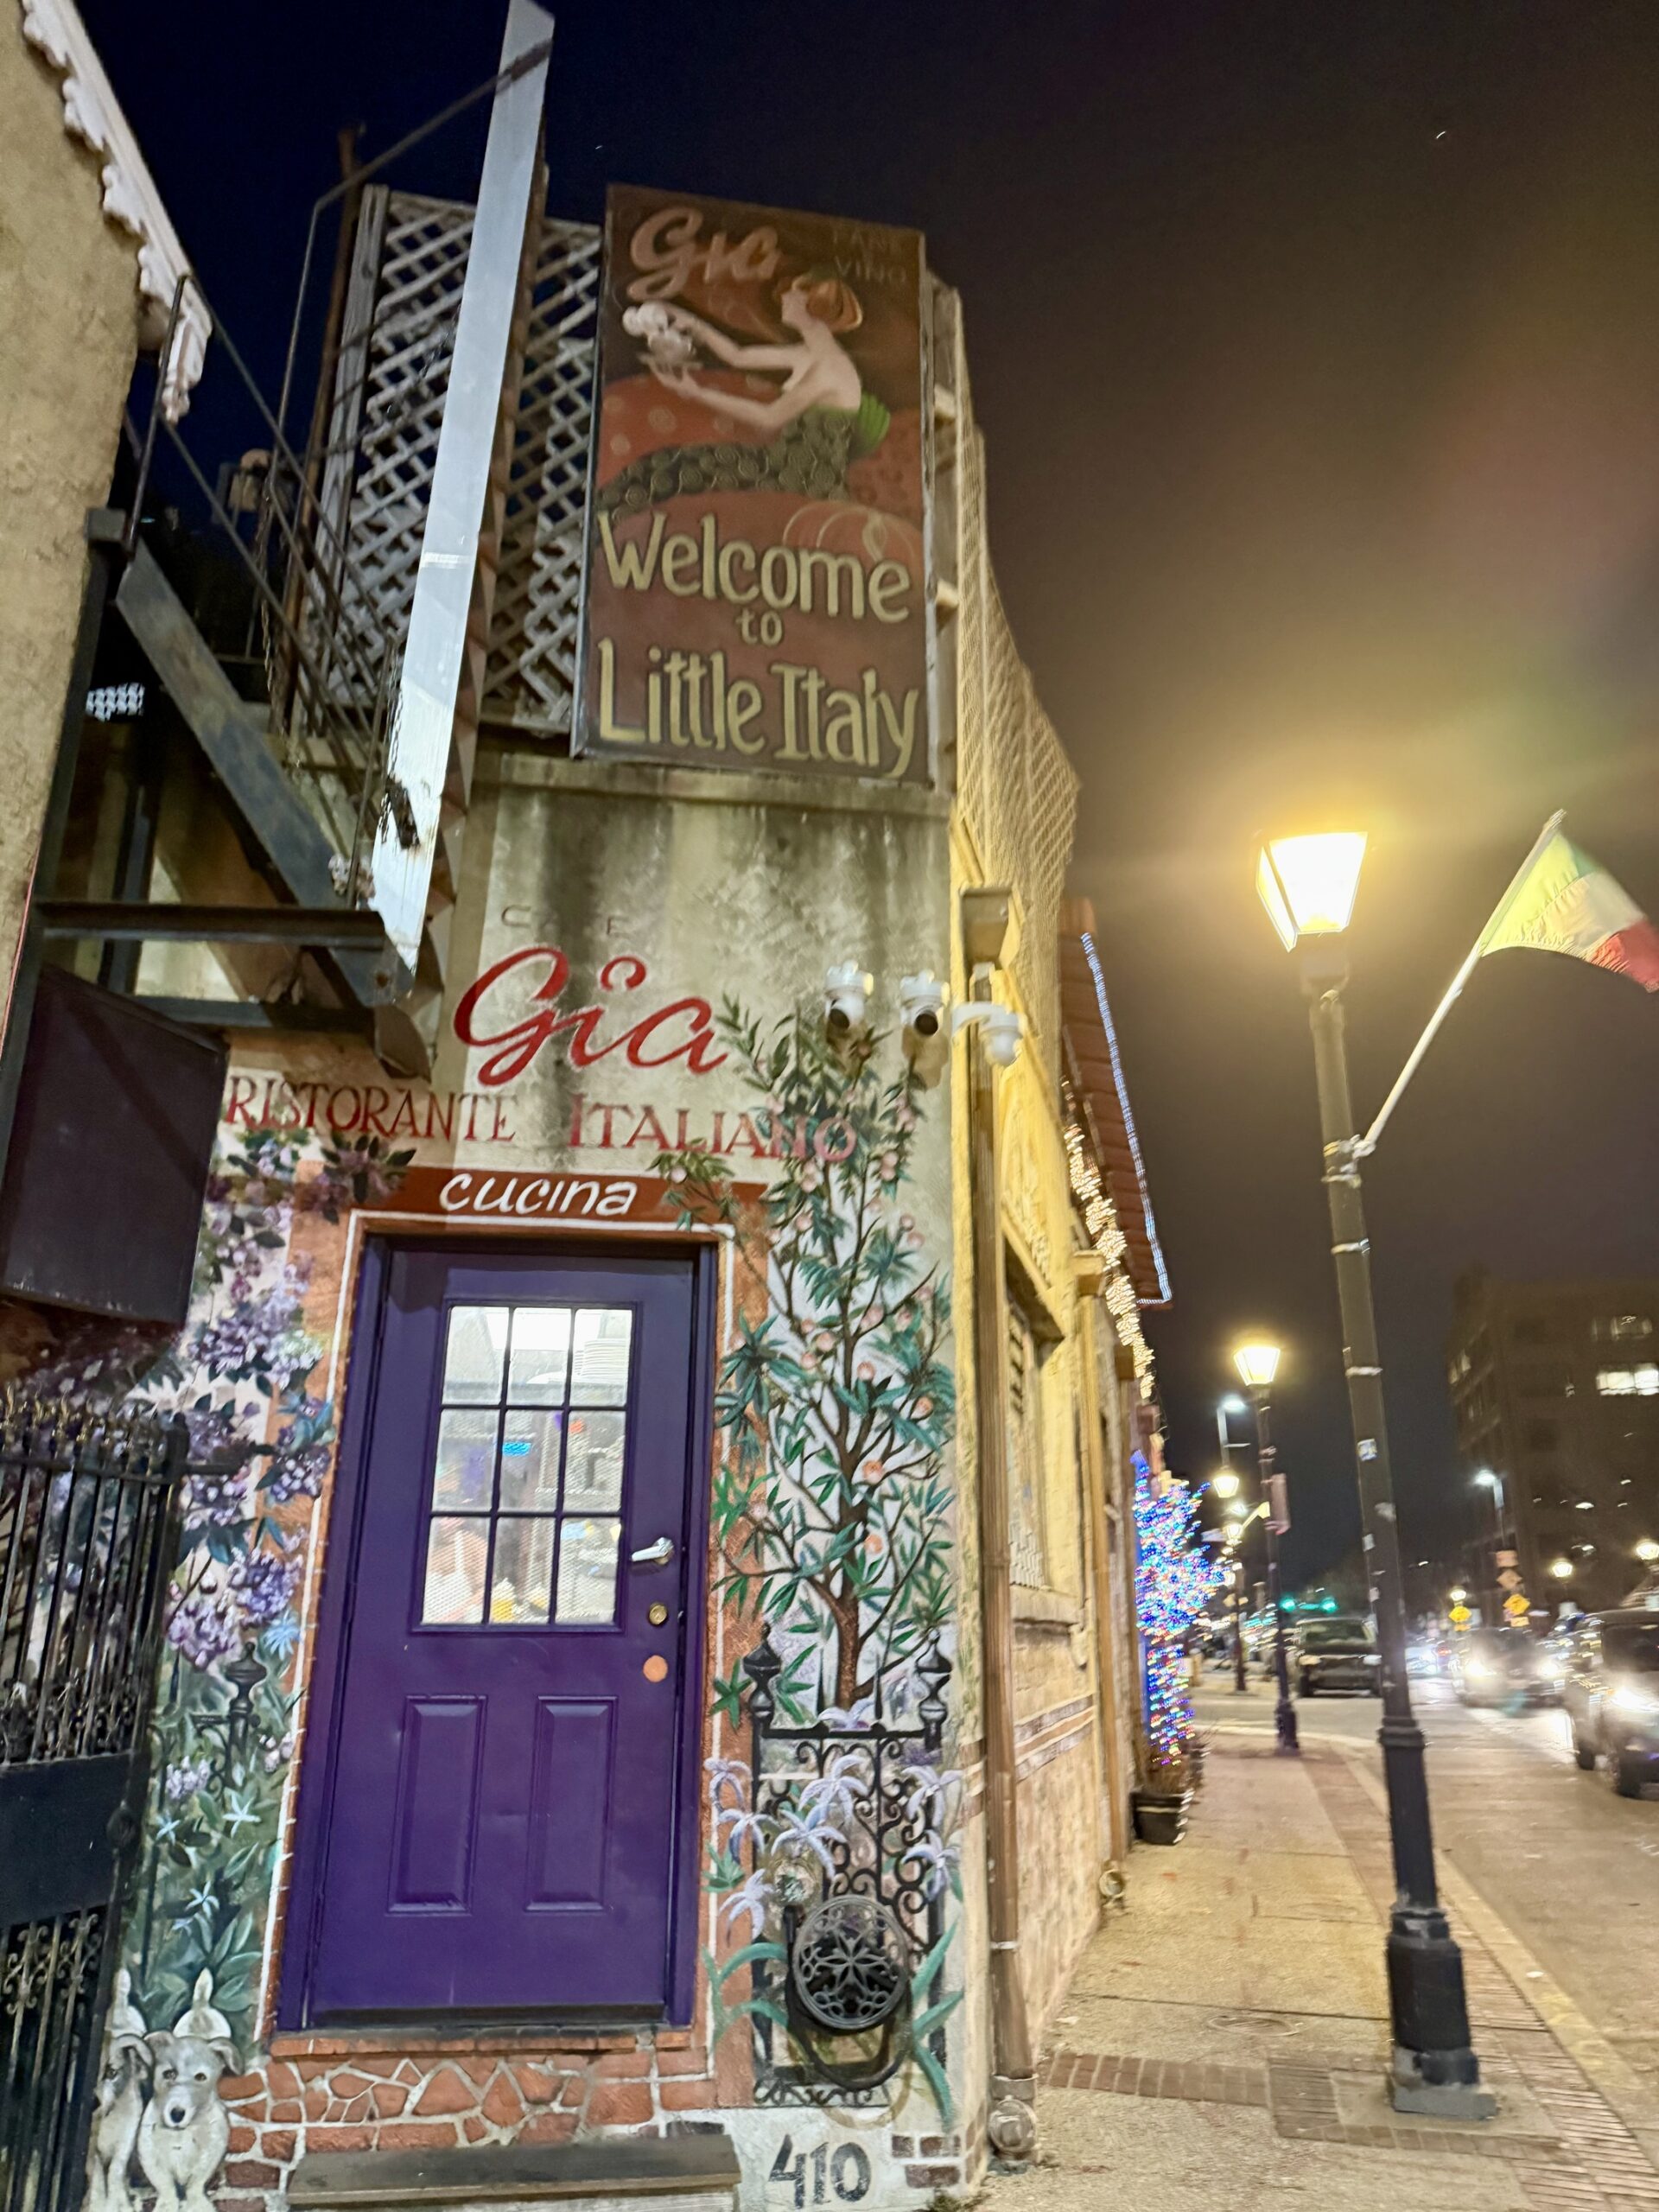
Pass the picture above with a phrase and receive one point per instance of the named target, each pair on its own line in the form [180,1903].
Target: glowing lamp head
[1647,1551]
[1561,1569]
[1236,1510]
[1234,1405]
[1257,1364]
[1308,884]
[1458,1595]
[1225,1483]
[1487,1480]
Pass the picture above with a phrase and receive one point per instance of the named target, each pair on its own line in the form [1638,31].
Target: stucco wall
[68,326]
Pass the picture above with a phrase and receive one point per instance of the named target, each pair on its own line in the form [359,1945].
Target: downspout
[1092,1282]
[1011,2126]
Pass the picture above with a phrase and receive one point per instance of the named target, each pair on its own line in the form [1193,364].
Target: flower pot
[1161,1815]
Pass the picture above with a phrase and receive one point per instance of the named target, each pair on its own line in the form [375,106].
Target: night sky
[1316,347]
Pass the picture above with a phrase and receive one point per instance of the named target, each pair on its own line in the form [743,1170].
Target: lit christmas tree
[1174,1577]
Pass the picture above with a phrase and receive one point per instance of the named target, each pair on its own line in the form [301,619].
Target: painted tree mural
[832,1507]
[832,1504]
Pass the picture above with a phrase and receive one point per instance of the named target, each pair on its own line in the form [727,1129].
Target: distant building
[1555,1391]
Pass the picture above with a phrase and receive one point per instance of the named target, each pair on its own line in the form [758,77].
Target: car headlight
[1634,1702]
[1477,1671]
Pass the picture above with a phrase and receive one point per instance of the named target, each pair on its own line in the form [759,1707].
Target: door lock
[657,1555]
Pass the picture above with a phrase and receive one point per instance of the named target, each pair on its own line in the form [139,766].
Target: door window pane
[541,1355]
[587,1570]
[530,1461]
[524,1496]
[465,1469]
[457,1559]
[599,1357]
[523,1572]
[593,1463]
[472,1359]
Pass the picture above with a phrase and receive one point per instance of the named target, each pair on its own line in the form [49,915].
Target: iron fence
[88,1532]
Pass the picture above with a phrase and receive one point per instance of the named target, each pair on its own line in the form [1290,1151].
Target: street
[1570,1866]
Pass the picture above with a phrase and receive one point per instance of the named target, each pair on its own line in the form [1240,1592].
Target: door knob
[657,1555]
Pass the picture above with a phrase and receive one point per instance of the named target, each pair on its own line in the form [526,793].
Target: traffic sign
[1509,1578]
[1518,1605]
[1507,1559]
[1460,1617]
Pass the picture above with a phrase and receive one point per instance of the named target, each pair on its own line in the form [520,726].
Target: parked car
[1337,1651]
[1612,1695]
[1505,1666]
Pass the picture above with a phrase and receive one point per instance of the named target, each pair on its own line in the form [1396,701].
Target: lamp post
[1257,1364]
[1224,1484]
[1307,886]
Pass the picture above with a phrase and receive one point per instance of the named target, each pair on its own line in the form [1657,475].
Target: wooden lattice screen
[408,270]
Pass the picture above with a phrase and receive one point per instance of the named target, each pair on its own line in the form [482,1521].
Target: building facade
[1555,1392]
[649,1665]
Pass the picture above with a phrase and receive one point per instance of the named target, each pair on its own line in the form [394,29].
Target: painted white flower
[750,1899]
[724,1775]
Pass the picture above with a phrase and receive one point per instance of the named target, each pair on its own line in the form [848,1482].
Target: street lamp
[1225,1485]
[1647,1551]
[1257,1364]
[1458,1595]
[1309,886]
[1561,1569]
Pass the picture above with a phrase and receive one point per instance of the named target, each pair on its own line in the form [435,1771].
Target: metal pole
[1239,1681]
[1284,1712]
[1011,2125]
[1435,2068]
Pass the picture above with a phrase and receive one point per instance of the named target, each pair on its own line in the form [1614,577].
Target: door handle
[657,1555]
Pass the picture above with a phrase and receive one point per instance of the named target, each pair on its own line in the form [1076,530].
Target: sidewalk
[1224,2041]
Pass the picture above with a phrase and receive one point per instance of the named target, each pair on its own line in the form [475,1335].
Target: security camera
[1004,1029]
[847,990]
[921,1014]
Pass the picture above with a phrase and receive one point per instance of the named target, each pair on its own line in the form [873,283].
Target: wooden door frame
[324,1689]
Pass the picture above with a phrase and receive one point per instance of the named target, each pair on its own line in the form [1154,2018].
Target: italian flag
[1563,902]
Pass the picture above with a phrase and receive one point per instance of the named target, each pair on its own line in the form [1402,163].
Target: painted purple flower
[184,1778]
[264,1586]
[203,1630]
[215,1497]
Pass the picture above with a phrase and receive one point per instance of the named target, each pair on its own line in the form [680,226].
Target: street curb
[1616,2081]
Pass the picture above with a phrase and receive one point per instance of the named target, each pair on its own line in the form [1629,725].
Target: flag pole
[1367,1144]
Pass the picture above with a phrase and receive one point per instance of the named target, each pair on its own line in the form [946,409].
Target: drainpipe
[1011,2125]
[1091,1284]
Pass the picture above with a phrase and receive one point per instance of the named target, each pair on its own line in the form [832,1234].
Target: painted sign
[756,575]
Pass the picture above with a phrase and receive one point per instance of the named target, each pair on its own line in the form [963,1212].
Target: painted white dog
[185,2130]
[120,2103]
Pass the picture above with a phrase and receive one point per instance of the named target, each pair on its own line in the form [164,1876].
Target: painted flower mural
[241,1373]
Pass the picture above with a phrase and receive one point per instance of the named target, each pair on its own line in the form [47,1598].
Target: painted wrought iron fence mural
[853,1819]
[87,1534]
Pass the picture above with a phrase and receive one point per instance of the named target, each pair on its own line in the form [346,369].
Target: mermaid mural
[819,420]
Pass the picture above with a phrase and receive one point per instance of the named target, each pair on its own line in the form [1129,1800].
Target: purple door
[501,1833]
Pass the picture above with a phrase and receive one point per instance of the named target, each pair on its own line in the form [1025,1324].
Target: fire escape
[314,665]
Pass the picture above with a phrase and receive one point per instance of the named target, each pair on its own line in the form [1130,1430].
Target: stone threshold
[698,2164]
